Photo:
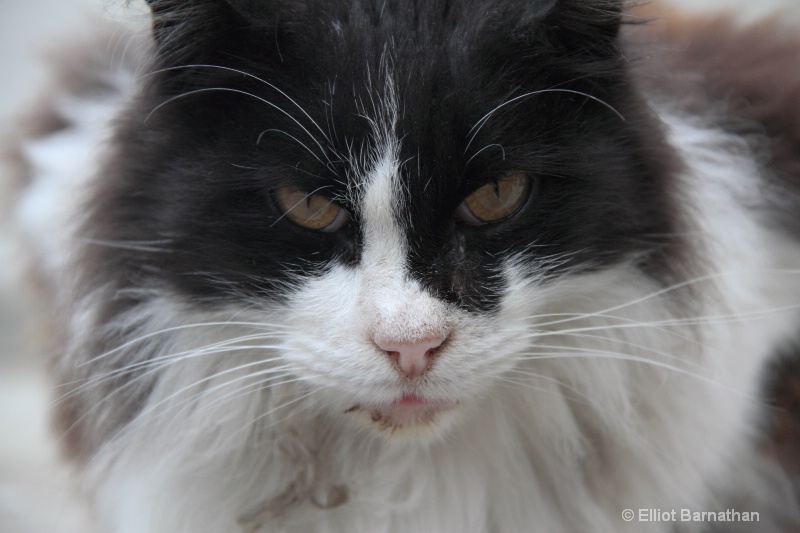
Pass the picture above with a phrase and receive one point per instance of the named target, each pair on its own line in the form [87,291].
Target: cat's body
[407,367]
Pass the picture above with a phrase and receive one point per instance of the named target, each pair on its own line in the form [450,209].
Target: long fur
[201,392]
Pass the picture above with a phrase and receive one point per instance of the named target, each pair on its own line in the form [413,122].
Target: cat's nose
[412,358]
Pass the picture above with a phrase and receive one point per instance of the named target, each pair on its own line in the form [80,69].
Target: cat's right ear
[195,31]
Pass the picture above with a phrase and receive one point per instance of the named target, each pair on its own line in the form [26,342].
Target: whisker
[298,141]
[184,405]
[176,409]
[584,399]
[276,409]
[237,91]
[661,292]
[173,329]
[252,76]
[660,325]
[593,351]
[617,340]
[306,197]
[259,385]
[484,148]
[158,363]
[195,384]
[139,246]
[566,354]
[91,409]
[483,120]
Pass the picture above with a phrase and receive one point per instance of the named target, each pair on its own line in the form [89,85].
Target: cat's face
[401,184]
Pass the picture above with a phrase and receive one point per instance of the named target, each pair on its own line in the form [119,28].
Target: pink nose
[412,358]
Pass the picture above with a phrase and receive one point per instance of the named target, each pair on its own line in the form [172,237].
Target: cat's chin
[409,419]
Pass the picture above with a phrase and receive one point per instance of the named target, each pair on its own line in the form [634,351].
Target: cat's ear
[583,27]
[600,18]
[193,30]
[168,12]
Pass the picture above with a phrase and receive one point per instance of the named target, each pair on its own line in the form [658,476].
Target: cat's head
[400,184]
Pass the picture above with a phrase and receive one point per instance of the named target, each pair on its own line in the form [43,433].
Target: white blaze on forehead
[384,241]
[380,199]
[396,306]
[399,309]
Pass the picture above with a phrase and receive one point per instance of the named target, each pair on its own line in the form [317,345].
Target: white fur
[555,430]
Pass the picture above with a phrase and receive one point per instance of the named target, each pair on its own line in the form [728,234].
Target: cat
[389,266]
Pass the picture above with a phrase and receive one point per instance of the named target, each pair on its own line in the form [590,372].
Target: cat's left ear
[601,18]
[582,27]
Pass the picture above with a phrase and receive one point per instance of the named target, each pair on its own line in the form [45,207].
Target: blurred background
[33,493]
[34,497]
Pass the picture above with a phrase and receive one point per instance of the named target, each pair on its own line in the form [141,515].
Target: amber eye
[496,200]
[312,211]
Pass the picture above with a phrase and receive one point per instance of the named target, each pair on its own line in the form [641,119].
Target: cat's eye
[309,210]
[495,201]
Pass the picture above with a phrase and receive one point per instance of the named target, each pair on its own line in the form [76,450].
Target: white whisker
[483,120]
[245,93]
[173,329]
[265,82]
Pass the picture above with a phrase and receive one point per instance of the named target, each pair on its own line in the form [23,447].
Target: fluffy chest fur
[382,266]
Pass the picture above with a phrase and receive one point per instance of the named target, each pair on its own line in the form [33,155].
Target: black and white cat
[444,266]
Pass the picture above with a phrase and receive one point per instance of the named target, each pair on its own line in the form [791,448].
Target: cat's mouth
[410,411]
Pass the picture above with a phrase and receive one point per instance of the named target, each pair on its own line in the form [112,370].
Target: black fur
[197,164]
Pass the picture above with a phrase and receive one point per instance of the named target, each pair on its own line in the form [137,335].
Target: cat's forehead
[418,119]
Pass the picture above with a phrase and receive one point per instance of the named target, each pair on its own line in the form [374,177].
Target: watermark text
[688,515]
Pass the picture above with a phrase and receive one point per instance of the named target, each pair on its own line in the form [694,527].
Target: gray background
[32,494]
